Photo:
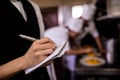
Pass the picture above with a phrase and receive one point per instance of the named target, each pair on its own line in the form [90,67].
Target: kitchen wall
[50,3]
[114,7]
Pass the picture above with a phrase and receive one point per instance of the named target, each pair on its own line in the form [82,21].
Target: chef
[89,26]
[69,32]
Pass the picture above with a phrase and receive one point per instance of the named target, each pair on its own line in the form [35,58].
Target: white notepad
[59,51]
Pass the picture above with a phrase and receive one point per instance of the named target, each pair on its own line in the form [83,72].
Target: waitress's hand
[39,50]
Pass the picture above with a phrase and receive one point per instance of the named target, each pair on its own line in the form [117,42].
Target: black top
[11,45]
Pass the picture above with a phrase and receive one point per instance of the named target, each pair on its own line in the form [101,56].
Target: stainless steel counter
[97,71]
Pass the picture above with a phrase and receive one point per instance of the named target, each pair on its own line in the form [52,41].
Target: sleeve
[92,29]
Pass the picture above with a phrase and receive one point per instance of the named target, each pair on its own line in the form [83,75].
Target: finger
[46,46]
[45,40]
[45,52]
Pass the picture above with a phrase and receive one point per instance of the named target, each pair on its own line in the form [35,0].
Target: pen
[50,68]
[27,37]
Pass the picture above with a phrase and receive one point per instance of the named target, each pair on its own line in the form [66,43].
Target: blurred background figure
[87,32]
[89,27]
[69,32]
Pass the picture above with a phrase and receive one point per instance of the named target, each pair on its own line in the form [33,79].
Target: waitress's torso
[11,45]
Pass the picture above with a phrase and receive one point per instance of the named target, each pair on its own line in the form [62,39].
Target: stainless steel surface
[97,71]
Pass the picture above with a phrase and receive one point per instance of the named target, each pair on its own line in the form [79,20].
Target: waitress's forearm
[11,68]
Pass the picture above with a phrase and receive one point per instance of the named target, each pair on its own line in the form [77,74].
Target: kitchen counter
[97,71]
[104,72]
